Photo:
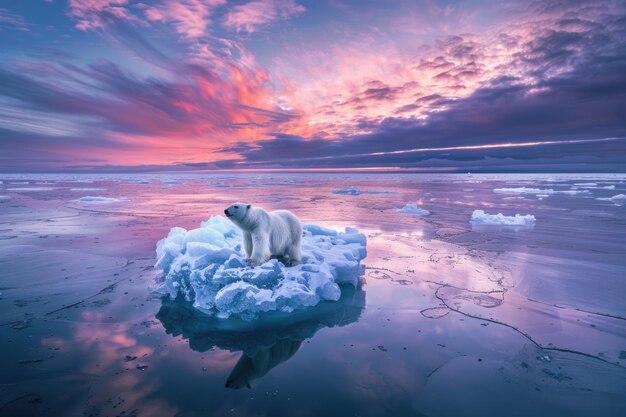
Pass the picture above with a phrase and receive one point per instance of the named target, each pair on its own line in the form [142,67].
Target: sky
[425,86]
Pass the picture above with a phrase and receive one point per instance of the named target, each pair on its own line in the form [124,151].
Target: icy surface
[207,267]
[98,199]
[480,217]
[413,209]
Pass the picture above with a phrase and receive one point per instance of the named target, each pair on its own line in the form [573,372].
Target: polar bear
[277,233]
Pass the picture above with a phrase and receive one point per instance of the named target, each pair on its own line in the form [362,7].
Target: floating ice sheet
[482,218]
[207,267]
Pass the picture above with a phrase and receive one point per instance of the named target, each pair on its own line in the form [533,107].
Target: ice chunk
[482,218]
[206,266]
[98,199]
[617,199]
[413,209]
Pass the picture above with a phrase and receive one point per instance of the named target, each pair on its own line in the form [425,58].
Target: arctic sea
[480,295]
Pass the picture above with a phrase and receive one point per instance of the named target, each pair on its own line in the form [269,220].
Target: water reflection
[264,343]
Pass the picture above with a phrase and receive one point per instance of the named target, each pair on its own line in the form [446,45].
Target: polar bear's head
[237,211]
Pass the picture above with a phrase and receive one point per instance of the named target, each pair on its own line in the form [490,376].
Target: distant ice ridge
[87,189]
[98,199]
[593,185]
[482,218]
[413,209]
[618,199]
[206,266]
[543,191]
[355,191]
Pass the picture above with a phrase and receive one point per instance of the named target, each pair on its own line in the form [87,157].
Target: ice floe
[479,217]
[98,199]
[413,209]
[206,266]
[617,199]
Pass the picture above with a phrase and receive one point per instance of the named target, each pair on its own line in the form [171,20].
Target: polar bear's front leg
[260,247]
[247,244]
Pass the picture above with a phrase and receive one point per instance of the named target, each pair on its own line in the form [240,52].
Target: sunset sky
[89,85]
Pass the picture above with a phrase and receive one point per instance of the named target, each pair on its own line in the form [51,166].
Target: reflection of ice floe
[479,217]
[617,199]
[98,199]
[355,191]
[265,343]
[525,190]
[207,267]
[413,209]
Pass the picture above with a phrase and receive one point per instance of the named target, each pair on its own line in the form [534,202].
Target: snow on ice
[206,266]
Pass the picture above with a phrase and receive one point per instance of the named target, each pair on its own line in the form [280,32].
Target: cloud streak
[286,84]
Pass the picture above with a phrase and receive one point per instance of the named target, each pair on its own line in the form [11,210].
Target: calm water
[450,320]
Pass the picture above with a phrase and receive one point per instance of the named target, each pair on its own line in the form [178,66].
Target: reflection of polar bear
[277,233]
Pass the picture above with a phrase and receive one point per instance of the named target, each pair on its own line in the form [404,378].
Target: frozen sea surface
[447,319]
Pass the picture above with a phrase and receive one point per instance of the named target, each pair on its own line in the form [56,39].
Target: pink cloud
[12,21]
[251,16]
[93,14]
[189,17]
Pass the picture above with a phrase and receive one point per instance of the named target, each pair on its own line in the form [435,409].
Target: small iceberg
[98,199]
[206,267]
[413,209]
[479,217]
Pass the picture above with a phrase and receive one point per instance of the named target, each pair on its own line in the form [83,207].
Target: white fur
[277,233]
